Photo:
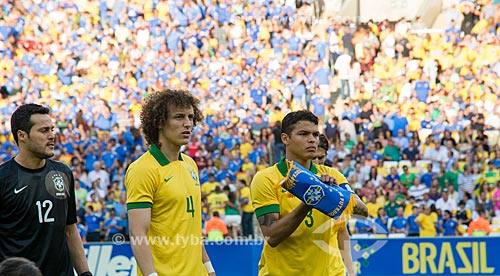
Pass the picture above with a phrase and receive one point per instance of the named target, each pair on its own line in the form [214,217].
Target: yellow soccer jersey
[172,191]
[218,203]
[337,267]
[209,187]
[428,224]
[307,251]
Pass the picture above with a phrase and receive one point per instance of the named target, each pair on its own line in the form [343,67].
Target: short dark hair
[155,110]
[19,266]
[292,118]
[21,118]
[216,214]
[323,142]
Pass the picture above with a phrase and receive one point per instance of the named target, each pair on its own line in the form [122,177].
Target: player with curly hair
[163,190]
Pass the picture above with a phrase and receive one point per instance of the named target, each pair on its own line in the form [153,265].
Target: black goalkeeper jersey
[35,207]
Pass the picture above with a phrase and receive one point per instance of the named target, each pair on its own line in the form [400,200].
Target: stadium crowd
[417,134]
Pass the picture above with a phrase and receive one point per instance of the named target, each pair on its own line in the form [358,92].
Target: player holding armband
[294,231]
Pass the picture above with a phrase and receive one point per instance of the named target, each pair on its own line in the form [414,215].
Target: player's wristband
[86,273]
[209,267]
[153,274]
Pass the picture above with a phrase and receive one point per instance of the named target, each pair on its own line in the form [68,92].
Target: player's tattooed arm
[276,228]
[268,219]
[360,208]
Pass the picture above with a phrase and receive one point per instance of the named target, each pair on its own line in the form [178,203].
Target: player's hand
[328,179]
[211,274]
[352,273]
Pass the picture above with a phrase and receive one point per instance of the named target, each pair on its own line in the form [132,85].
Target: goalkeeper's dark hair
[155,111]
[21,118]
[323,142]
[292,118]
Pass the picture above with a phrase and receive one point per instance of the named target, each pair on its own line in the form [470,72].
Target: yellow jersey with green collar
[308,250]
[172,191]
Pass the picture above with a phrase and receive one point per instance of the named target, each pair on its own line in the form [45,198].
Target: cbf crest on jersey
[56,184]
[194,176]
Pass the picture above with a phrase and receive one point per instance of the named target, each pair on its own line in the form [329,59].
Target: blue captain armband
[332,201]
[346,186]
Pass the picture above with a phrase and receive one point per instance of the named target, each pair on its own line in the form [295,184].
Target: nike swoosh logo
[167,179]
[16,191]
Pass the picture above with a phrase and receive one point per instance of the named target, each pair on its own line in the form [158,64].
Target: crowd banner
[389,257]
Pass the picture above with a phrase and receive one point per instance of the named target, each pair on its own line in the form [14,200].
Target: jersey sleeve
[264,199]
[71,216]
[140,184]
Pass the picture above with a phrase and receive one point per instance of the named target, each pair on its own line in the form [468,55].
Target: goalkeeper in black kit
[37,200]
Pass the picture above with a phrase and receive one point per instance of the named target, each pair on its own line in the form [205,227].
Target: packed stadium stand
[412,112]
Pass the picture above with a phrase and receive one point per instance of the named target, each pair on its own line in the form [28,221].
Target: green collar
[282,167]
[159,156]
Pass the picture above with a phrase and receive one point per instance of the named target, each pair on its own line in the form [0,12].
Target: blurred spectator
[399,224]
[407,178]
[209,187]
[427,201]
[80,193]
[480,226]
[470,204]
[449,226]
[392,206]
[100,175]
[491,174]
[434,193]
[485,204]
[418,190]
[215,228]
[391,151]
[381,222]
[466,181]
[233,214]
[445,203]
[364,226]
[82,229]
[217,201]
[393,176]
[495,199]
[452,194]
[247,209]
[373,206]
[463,215]
[451,176]
[427,222]
[413,228]
[113,225]
[427,177]
[93,220]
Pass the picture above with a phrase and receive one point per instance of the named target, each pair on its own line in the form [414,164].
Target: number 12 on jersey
[190,205]
[47,206]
